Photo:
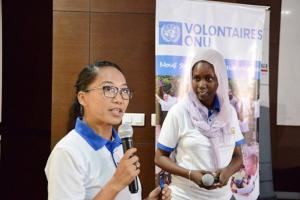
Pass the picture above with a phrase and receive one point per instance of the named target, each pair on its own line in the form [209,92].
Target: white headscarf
[218,129]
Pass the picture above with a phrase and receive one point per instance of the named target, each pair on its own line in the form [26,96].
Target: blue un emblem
[170,33]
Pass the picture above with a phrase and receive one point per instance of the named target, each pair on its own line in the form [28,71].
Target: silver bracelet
[190,171]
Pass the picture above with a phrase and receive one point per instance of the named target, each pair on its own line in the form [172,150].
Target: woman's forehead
[110,75]
[203,67]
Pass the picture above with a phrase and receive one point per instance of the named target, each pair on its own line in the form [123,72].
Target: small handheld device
[161,180]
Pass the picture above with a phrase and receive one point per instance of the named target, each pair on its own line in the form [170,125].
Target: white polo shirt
[82,163]
[193,151]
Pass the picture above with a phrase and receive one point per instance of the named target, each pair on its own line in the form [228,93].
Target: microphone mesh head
[125,131]
[207,179]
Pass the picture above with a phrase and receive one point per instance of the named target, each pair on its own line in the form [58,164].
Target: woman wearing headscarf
[203,132]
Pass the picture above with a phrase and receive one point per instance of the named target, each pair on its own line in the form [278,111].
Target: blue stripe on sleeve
[240,142]
[165,148]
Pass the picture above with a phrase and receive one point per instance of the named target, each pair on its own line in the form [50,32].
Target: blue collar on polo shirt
[95,140]
[216,106]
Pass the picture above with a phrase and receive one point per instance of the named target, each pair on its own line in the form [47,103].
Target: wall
[285,140]
[123,32]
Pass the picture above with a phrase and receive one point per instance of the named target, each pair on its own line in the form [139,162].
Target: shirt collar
[95,140]
[216,106]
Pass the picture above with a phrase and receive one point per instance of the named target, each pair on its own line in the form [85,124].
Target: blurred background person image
[236,103]
[203,131]
[89,163]
[243,183]
[166,99]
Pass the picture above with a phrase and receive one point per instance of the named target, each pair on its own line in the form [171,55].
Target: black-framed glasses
[112,91]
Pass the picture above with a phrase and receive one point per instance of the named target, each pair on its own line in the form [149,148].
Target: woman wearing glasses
[89,163]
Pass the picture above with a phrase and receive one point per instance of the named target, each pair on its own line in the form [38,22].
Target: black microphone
[126,132]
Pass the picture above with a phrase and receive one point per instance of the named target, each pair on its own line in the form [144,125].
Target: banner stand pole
[265,161]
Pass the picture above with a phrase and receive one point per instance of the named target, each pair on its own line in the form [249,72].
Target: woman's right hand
[127,170]
[196,176]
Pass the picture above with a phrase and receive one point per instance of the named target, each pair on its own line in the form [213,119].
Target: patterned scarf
[216,131]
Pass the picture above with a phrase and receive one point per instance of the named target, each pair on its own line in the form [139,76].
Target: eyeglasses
[112,91]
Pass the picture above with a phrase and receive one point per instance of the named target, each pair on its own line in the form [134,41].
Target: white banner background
[184,27]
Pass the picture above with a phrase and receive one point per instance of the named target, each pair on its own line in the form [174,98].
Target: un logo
[170,33]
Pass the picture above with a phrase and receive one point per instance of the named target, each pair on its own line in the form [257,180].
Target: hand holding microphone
[212,180]
[126,171]
[209,179]
[205,179]
[125,131]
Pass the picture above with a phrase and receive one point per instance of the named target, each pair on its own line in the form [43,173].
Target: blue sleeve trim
[240,142]
[165,148]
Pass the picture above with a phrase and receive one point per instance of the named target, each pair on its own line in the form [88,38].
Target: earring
[81,110]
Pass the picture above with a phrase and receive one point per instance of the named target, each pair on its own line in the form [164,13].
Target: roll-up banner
[182,28]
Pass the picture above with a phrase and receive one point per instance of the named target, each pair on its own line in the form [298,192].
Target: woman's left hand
[224,175]
[155,194]
[235,164]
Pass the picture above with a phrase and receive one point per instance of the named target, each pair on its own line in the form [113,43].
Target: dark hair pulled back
[85,78]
